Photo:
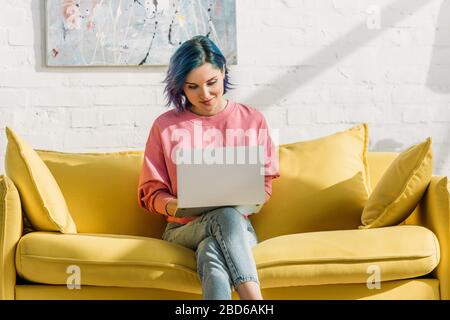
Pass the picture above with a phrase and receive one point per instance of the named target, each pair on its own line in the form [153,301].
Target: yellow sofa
[117,253]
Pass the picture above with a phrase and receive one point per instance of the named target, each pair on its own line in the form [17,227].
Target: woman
[197,79]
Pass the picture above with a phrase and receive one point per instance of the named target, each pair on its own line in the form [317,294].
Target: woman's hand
[171,206]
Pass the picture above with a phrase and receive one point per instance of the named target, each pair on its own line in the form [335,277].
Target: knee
[229,216]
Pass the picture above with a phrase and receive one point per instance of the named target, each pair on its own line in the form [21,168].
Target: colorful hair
[191,54]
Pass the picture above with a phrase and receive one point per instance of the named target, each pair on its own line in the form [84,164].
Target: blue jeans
[222,240]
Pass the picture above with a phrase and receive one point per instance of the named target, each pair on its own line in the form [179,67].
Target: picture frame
[83,33]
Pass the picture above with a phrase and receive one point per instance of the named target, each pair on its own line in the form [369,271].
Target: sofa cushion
[107,260]
[400,188]
[40,194]
[327,257]
[347,256]
[101,190]
[323,185]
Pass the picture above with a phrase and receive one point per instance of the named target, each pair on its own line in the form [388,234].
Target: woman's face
[204,89]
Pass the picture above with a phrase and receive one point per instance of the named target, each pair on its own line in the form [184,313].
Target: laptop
[210,178]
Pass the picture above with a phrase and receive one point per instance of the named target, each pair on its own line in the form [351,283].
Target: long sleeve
[154,183]
[271,169]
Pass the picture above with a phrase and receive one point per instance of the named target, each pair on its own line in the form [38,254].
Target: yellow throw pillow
[400,188]
[323,185]
[40,194]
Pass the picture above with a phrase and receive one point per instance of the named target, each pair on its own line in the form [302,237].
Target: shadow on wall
[328,57]
[311,67]
[357,37]
[438,79]
[387,145]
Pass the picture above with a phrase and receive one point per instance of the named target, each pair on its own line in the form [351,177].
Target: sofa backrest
[101,189]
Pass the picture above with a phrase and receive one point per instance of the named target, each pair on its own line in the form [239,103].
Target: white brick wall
[312,67]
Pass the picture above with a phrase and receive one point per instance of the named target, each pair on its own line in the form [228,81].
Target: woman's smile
[208,102]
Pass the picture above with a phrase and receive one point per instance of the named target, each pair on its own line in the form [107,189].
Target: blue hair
[191,54]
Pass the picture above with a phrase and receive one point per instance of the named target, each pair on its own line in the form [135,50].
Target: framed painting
[134,32]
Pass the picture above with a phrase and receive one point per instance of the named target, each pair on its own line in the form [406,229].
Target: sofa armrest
[10,233]
[434,213]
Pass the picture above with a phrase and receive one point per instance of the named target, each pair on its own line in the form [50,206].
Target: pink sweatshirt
[236,125]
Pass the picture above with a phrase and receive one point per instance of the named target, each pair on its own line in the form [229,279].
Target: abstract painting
[134,32]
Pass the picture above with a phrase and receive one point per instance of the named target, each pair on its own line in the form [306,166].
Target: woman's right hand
[171,206]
